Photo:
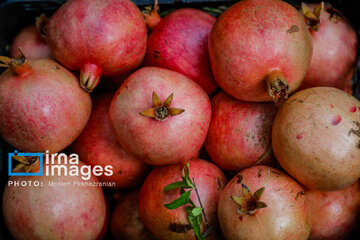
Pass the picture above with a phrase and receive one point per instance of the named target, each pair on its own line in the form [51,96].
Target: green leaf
[196,211]
[187,177]
[258,193]
[182,200]
[175,185]
[195,222]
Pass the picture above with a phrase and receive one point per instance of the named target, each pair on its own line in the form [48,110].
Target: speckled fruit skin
[109,34]
[54,212]
[168,224]
[155,142]
[240,132]
[48,111]
[31,44]
[334,56]
[334,214]
[286,216]
[316,138]
[180,43]
[253,37]
[125,221]
[97,145]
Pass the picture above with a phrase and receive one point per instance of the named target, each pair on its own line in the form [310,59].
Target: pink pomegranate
[97,145]
[316,138]
[263,203]
[31,43]
[179,43]
[48,111]
[168,224]
[240,133]
[56,209]
[260,50]
[125,221]
[334,214]
[160,116]
[335,46]
[98,38]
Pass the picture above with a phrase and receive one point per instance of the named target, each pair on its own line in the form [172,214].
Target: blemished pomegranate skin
[180,43]
[334,214]
[173,224]
[97,38]
[31,44]
[54,212]
[316,138]
[260,50]
[175,139]
[335,47]
[240,133]
[97,145]
[286,215]
[49,109]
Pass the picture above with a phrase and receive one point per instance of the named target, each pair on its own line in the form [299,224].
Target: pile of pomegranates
[240,126]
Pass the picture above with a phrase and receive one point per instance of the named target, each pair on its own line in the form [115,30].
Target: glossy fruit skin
[254,37]
[125,221]
[173,224]
[285,217]
[31,43]
[240,132]
[54,212]
[155,142]
[116,43]
[335,47]
[334,214]
[315,138]
[48,111]
[97,145]
[180,43]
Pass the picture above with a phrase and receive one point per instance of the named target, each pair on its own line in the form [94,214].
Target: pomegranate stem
[202,208]
[277,86]
[90,77]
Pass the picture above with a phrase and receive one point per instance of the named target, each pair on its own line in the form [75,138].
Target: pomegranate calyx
[278,87]
[26,164]
[151,15]
[90,77]
[41,22]
[249,203]
[18,65]
[161,110]
[312,19]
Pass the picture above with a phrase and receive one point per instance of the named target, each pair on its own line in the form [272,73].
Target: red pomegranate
[98,38]
[334,214]
[97,145]
[260,50]
[31,43]
[55,209]
[168,224]
[160,116]
[263,203]
[125,221]
[316,138]
[240,133]
[49,109]
[335,46]
[180,43]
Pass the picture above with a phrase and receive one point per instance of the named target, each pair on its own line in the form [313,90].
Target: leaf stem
[202,208]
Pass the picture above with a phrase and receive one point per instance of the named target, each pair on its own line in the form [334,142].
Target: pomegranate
[333,213]
[316,138]
[263,203]
[48,111]
[173,224]
[260,50]
[56,209]
[173,121]
[335,47]
[179,43]
[240,133]
[31,43]
[97,145]
[98,38]
[125,221]
[104,230]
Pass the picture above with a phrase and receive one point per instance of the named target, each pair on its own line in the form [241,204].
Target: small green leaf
[187,177]
[182,200]
[195,222]
[258,193]
[175,185]
[261,205]
[196,211]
